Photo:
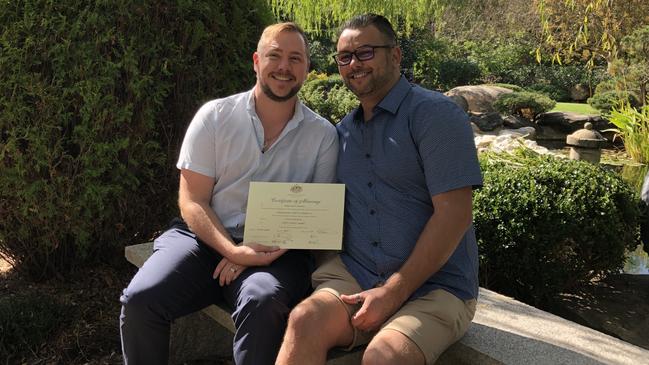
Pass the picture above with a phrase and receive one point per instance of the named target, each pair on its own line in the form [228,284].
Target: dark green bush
[321,49]
[546,224]
[551,91]
[525,104]
[607,100]
[500,59]
[328,96]
[95,97]
[561,78]
[457,72]
[27,321]
[440,64]
[447,74]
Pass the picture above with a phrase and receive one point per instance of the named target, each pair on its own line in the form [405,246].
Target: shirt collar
[395,96]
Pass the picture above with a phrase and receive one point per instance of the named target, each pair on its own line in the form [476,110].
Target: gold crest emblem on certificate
[296,189]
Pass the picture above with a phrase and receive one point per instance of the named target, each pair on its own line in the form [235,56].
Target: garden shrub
[95,98]
[607,100]
[499,59]
[525,104]
[546,224]
[457,72]
[328,96]
[551,91]
[560,78]
[321,49]
[441,65]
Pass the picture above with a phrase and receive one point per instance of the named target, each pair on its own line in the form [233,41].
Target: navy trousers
[177,280]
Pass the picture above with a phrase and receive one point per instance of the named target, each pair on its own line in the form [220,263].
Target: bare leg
[392,347]
[316,325]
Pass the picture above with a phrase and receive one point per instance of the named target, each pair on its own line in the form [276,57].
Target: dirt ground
[617,306]
[89,334]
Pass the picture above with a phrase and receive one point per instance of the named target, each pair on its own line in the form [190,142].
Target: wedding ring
[232,269]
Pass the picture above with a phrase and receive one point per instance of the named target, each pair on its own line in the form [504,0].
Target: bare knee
[321,320]
[305,316]
[393,349]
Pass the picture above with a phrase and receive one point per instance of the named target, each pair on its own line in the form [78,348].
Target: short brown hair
[365,20]
[271,31]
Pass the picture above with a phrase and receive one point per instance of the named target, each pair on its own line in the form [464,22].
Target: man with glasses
[265,134]
[406,282]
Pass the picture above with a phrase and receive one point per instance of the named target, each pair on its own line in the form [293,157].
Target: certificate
[295,215]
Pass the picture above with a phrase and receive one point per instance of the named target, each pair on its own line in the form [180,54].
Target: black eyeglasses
[363,53]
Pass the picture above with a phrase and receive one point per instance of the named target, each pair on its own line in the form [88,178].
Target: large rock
[487,121]
[460,101]
[550,133]
[515,122]
[480,98]
[569,122]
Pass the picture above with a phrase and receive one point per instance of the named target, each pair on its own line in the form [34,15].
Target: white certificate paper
[295,215]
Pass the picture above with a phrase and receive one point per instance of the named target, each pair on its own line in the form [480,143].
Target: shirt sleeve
[325,168]
[198,152]
[446,147]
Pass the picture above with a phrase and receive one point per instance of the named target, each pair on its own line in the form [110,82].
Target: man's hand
[227,271]
[378,305]
[254,254]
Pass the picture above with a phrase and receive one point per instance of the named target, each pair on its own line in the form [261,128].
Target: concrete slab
[516,333]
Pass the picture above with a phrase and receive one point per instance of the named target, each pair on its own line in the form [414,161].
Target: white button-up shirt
[225,141]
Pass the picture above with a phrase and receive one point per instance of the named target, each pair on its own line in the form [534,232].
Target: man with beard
[265,134]
[406,281]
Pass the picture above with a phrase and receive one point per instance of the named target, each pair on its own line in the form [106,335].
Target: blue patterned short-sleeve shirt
[417,144]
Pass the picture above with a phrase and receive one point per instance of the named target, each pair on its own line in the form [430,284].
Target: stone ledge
[504,331]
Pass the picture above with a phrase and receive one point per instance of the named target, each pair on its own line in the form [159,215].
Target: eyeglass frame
[354,53]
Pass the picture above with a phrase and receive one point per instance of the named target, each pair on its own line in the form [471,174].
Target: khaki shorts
[433,322]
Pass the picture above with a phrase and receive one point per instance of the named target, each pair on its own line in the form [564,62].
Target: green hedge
[95,97]
[607,100]
[551,91]
[524,103]
[546,224]
[328,96]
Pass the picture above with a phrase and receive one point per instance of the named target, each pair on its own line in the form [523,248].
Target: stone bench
[208,334]
[504,331]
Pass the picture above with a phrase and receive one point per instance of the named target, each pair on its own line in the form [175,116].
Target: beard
[274,97]
[375,82]
[378,79]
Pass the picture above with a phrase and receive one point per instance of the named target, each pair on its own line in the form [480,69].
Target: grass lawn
[575,108]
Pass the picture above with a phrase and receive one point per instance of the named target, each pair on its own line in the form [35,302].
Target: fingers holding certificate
[295,215]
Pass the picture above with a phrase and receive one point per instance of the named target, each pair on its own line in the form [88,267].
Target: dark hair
[365,20]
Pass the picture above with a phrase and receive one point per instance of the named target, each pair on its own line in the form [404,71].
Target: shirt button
[369,184]
[372,211]
[375,243]
[367,155]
